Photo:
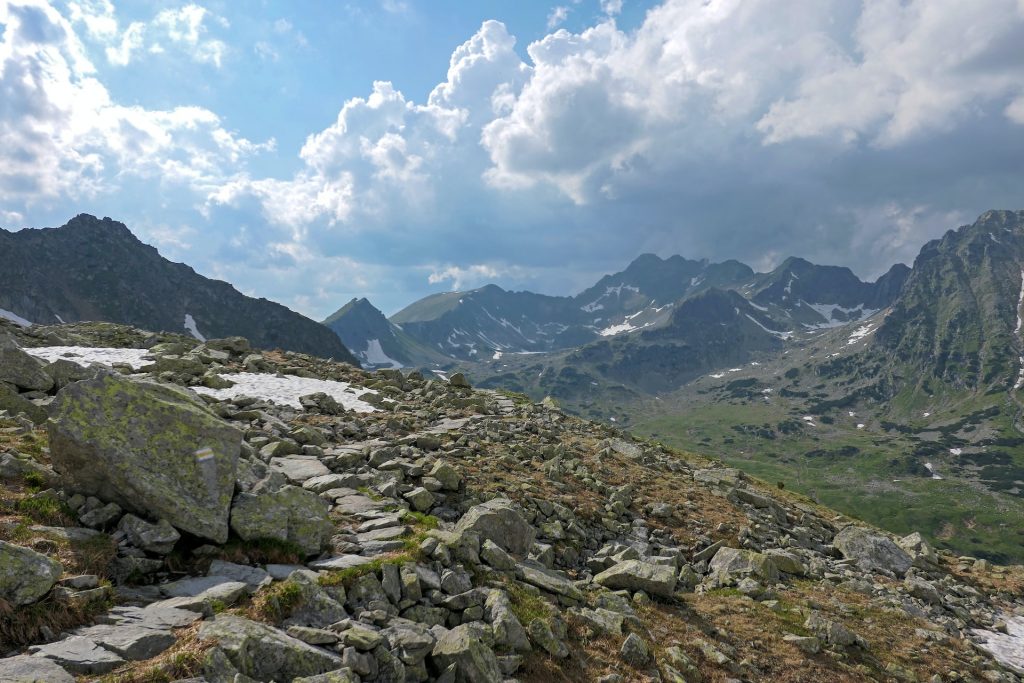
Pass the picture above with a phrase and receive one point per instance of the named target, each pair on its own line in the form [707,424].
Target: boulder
[449,477]
[498,521]
[25,575]
[871,550]
[264,652]
[14,403]
[634,575]
[154,449]
[732,564]
[474,662]
[156,538]
[29,669]
[287,513]
[21,369]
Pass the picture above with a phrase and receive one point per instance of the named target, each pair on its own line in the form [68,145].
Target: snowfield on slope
[286,390]
[283,390]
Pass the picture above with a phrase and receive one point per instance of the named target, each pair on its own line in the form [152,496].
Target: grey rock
[131,642]
[871,550]
[299,469]
[29,669]
[153,449]
[497,520]
[634,651]
[264,652]
[634,575]
[22,370]
[253,577]
[732,564]
[156,538]
[25,575]
[462,648]
[287,513]
[79,655]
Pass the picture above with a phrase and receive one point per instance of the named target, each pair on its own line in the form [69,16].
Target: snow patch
[86,355]
[496,356]
[859,334]
[718,375]
[780,335]
[860,426]
[374,355]
[287,389]
[14,318]
[190,326]
[828,312]
[1007,648]
[956,451]
[59,319]
[931,468]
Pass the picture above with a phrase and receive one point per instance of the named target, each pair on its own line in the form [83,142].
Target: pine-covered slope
[92,269]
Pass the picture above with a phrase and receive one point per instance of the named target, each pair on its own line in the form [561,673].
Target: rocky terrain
[175,510]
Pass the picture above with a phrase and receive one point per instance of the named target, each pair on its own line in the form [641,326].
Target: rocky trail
[158,524]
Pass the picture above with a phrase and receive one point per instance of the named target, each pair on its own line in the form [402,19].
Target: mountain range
[896,400]
[93,269]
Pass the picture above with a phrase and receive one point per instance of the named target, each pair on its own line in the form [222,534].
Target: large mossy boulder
[25,575]
[154,449]
[871,550]
[634,575]
[498,520]
[283,512]
[264,652]
[21,369]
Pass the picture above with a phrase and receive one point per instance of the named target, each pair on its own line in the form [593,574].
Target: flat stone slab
[79,655]
[385,534]
[72,534]
[253,577]
[201,586]
[159,615]
[299,468]
[340,562]
[324,482]
[382,522]
[355,504]
[548,579]
[29,669]
[280,572]
[132,642]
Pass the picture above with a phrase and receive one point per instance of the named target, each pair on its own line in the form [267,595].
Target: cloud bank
[844,133]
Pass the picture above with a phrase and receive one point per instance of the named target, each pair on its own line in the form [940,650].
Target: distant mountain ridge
[376,341]
[93,269]
[489,322]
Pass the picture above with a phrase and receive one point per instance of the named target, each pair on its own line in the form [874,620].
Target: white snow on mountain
[84,355]
[374,355]
[190,326]
[14,318]
[286,390]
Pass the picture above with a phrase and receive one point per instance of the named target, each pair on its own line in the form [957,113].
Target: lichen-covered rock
[154,449]
[634,575]
[264,652]
[29,669]
[155,538]
[21,369]
[474,662]
[500,522]
[731,564]
[872,550]
[287,513]
[25,575]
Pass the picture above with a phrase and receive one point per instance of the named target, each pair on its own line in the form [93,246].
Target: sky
[311,152]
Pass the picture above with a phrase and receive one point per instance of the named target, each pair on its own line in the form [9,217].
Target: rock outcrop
[151,448]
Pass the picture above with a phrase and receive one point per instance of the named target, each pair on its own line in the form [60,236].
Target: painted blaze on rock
[154,449]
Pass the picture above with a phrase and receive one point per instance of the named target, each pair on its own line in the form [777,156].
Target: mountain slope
[376,341]
[92,269]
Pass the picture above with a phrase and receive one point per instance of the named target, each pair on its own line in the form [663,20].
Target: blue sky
[310,152]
